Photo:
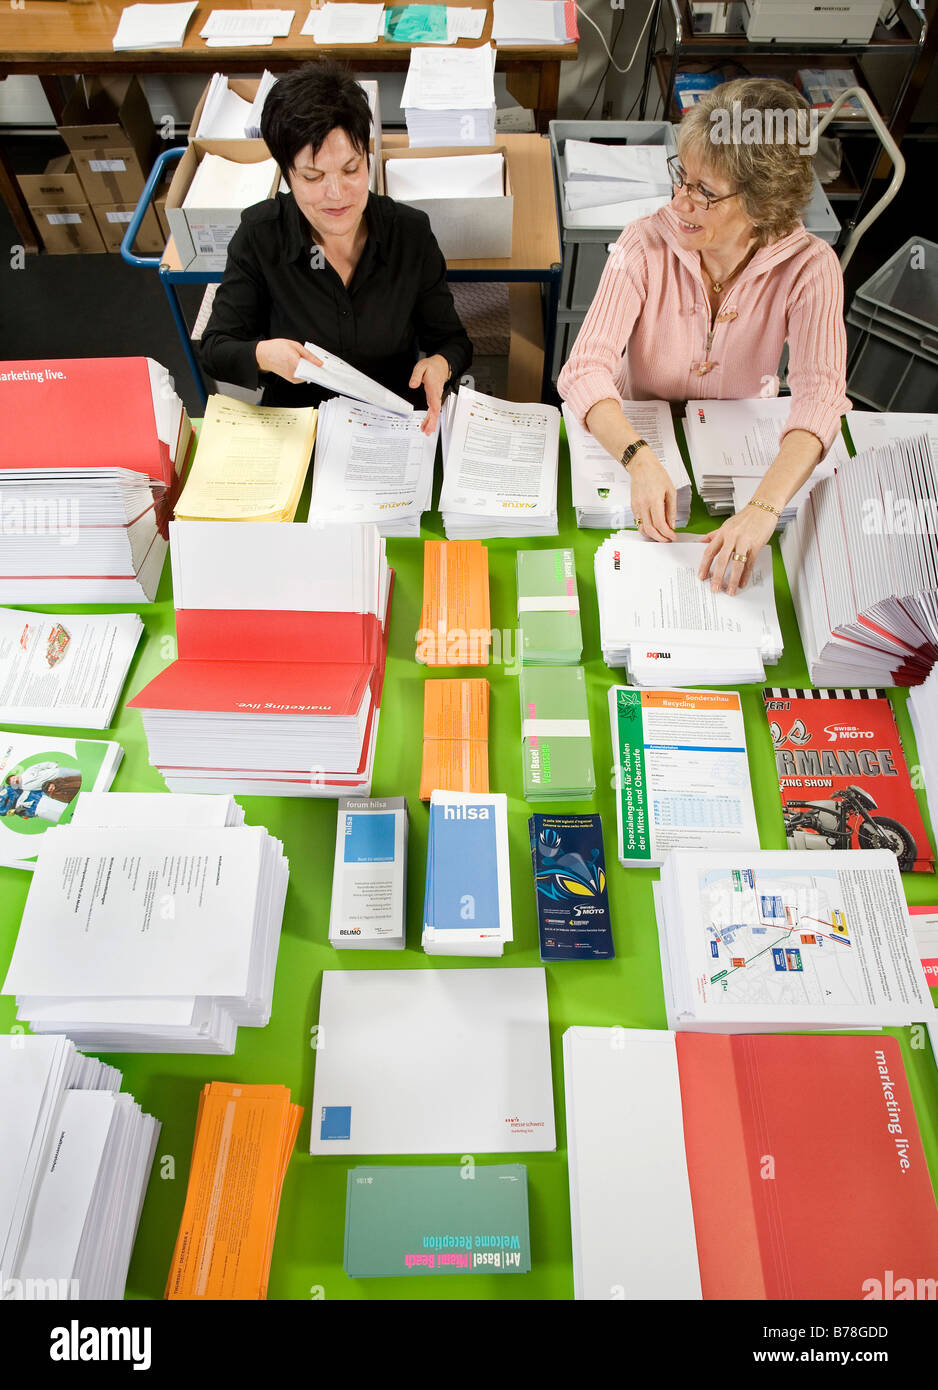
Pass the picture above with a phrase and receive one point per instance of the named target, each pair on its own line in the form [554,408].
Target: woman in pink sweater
[698,301]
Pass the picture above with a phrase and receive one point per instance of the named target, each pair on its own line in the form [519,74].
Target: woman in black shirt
[331,263]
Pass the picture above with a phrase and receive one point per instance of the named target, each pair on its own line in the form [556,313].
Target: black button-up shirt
[397,300]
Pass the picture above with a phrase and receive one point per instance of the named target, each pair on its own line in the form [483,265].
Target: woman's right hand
[281,355]
[653,496]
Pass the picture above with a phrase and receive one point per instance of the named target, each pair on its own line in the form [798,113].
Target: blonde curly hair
[754,133]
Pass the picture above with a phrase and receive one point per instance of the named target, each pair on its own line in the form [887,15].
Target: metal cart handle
[152,183]
[890,147]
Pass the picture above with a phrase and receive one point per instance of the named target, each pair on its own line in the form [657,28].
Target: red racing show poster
[843,776]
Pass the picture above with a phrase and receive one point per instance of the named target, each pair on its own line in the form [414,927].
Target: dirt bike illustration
[845,822]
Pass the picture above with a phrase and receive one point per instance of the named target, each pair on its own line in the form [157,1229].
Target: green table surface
[307,1257]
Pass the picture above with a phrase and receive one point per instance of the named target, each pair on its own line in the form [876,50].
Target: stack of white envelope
[372,466]
[74,1165]
[732,445]
[449,96]
[499,467]
[667,627]
[180,912]
[611,185]
[862,562]
[601,487]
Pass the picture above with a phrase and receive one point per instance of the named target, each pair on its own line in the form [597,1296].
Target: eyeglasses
[695,191]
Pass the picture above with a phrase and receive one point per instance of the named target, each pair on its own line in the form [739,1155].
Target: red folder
[83,412]
[807,1174]
[258,687]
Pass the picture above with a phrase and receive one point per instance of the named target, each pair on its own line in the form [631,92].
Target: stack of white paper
[532,23]
[180,929]
[252,121]
[449,96]
[732,445]
[667,626]
[630,1206]
[74,1165]
[601,487]
[467,903]
[282,640]
[64,671]
[499,467]
[369,881]
[681,773]
[433,1061]
[770,940]
[345,23]
[923,711]
[43,781]
[610,185]
[153,26]
[245,28]
[224,114]
[372,466]
[85,484]
[446,176]
[342,379]
[862,562]
[226,183]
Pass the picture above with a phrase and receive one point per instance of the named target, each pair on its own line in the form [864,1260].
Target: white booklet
[766,940]
[64,671]
[433,1061]
[339,376]
[43,781]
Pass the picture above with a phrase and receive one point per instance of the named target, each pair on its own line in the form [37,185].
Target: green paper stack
[556,748]
[549,631]
[431,1220]
[415,23]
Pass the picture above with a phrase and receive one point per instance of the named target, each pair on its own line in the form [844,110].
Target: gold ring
[740,558]
[638,521]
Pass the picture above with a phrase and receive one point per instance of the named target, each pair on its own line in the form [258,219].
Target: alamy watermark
[749,125]
[41,516]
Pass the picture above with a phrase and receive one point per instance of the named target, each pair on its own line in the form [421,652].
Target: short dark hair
[305,105]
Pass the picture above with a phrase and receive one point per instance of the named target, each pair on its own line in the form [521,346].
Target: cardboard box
[466,228]
[113,220]
[246,89]
[108,127]
[202,234]
[60,210]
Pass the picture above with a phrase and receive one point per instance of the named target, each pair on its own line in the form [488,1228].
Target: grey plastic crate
[903,294]
[888,377]
[603,133]
[916,347]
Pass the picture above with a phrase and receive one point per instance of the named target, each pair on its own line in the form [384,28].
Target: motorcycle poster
[843,776]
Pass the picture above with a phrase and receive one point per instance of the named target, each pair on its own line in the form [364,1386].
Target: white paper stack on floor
[449,96]
[601,487]
[862,562]
[179,940]
[667,627]
[467,904]
[610,185]
[153,26]
[74,1165]
[771,940]
[923,711]
[368,910]
[282,635]
[732,445]
[92,457]
[433,1061]
[64,670]
[499,467]
[339,376]
[372,466]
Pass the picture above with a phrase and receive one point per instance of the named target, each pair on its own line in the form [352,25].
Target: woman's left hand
[434,373]
[741,535]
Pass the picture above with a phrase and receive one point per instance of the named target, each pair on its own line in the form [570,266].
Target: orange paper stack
[455,737]
[244,1136]
[455,621]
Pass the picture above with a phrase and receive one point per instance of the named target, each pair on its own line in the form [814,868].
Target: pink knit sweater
[645,334]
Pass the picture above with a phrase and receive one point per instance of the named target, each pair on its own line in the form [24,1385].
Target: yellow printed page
[250,463]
